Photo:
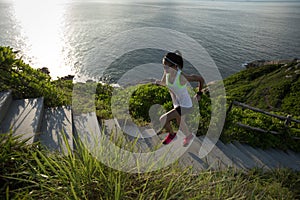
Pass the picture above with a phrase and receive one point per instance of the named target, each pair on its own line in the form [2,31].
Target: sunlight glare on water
[42,24]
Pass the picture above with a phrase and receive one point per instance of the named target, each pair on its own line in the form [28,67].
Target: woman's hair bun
[178,53]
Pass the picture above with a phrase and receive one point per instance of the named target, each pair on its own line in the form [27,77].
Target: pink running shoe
[169,138]
[187,140]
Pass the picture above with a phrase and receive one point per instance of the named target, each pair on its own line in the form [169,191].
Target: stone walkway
[29,119]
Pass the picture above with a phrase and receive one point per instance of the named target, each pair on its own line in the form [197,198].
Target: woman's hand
[197,97]
[159,82]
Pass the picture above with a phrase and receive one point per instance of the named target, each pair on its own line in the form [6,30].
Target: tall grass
[30,172]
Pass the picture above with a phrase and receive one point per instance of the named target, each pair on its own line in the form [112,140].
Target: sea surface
[68,37]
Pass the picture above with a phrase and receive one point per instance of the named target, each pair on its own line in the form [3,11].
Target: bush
[146,96]
[273,88]
[258,139]
[26,82]
[103,101]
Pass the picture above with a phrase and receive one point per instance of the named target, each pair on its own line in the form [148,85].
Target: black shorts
[182,110]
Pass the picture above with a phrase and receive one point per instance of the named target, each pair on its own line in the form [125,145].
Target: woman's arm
[196,78]
[162,81]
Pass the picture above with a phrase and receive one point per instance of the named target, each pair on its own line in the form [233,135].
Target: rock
[256,63]
[288,69]
[44,70]
[259,63]
[69,77]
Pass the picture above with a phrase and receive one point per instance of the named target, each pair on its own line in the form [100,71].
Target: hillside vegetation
[31,172]
[274,88]
[26,82]
[271,87]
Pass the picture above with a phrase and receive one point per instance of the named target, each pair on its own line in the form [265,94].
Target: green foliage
[270,87]
[141,98]
[26,82]
[27,172]
[258,139]
[205,114]
[103,101]
[290,103]
[146,96]
[274,88]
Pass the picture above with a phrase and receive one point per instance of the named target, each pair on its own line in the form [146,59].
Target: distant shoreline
[258,63]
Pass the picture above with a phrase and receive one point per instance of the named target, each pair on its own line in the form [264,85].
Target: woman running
[176,81]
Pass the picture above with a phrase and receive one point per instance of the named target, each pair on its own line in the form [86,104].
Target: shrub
[26,82]
[146,96]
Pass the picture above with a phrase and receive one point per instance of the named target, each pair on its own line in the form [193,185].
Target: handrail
[264,112]
[288,119]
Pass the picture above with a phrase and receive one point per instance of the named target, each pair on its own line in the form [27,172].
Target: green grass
[29,172]
[271,87]
[283,141]
[274,88]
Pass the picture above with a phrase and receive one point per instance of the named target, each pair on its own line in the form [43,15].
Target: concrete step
[214,159]
[57,124]
[294,156]
[114,132]
[187,157]
[283,158]
[151,139]
[134,135]
[241,158]
[86,129]
[256,157]
[167,154]
[273,163]
[291,160]
[224,153]
[5,101]
[191,159]
[130,135]
[226,150]
[193,162]
[24,118]
[276,157]
[110,126]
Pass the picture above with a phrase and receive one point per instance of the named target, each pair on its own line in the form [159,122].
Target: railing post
[288,120]
[227,112]
[287,123]
[229,108]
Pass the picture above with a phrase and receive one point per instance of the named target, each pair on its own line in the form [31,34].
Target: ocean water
[68,37]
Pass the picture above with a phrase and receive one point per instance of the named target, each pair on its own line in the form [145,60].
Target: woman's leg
[183,126]
[166,119]
[166,122]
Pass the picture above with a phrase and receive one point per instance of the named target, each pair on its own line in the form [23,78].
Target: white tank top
[179,93]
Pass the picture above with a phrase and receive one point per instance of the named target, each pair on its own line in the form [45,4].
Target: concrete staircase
[223,156]
[28,119]
[21,117]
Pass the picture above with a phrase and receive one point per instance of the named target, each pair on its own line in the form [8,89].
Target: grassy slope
[27,172]
[271,87]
